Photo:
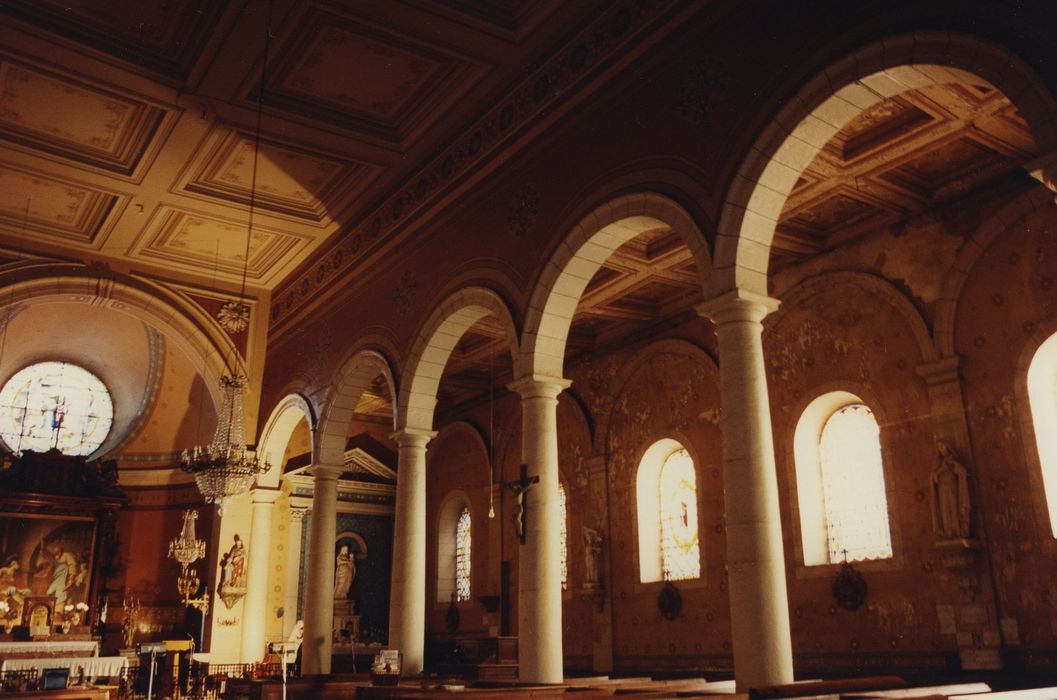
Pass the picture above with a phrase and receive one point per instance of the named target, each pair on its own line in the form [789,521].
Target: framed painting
[45,558]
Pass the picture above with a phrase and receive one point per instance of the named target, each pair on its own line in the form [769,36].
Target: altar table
[91,666]
[40,650]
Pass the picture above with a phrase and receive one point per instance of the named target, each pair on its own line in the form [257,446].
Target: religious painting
[45,557]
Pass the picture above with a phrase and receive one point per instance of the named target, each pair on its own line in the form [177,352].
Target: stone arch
[277,432]
[805,123]
[578,257]
[355,375]
[434,343]
[877,287]
[673,346]
[185,324]
[465,427]
[1005,219]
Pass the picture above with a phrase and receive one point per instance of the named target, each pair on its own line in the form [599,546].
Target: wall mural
[43,557]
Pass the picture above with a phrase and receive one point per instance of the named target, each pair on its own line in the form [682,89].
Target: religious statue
[344,572]
[236,565]
[592,552]
[950,493]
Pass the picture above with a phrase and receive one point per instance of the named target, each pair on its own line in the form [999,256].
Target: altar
[48,649]
[87,667]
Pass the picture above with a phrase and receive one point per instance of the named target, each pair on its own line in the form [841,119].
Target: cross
[519,488]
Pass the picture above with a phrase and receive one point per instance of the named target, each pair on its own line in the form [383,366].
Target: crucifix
[520,488]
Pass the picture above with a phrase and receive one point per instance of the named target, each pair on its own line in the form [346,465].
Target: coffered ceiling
[127,129]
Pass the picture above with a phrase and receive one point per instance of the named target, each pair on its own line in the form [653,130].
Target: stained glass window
[680,548]
[853,487]
[55,405]
[463,542]
[563,514]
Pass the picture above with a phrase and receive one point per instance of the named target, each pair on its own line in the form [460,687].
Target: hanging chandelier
[225,468]
[187,549]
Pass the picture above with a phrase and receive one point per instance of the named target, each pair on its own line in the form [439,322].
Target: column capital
[412,437]
[533,386]
[326,471]
[1044,170]
[942,371]
[298,513]
[264,495]
[737,305]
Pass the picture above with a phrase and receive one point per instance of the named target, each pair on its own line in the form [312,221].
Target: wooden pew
[944,690]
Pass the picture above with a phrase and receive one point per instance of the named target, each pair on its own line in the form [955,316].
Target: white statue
[950,492]
[344,572]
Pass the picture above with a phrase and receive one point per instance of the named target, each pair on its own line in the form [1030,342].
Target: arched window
[840,482]
[55,405]
[454,549]
[1042,396]
[666,505]
[463,542]
[563,514]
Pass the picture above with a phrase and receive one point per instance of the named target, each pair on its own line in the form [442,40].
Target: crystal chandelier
[225,468]
[187,549]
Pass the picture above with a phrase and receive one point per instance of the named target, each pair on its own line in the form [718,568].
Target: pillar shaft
[319,588]
[255,611]
[539,559]
[293,570]
[407,597]
[759,604]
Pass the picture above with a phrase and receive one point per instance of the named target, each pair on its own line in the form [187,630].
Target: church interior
[670,347]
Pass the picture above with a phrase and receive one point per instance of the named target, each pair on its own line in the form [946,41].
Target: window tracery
[463,545]
[563,515]
[680,548]
[853,488]
[55,405]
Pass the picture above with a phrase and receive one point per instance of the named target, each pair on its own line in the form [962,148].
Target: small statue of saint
[592,552]
[950,493]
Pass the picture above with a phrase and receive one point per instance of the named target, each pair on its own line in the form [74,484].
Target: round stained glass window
[55,405]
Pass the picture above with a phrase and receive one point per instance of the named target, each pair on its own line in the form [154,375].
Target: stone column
[319,587]
[260,545]
[759,604]
[293,569]
[407,597]
[539,559]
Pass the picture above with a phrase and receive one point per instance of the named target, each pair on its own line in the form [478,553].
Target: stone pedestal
[346,623]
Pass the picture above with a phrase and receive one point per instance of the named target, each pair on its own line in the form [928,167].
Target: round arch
[1008,217]
[434,343]
[339,402]
[876,287]
[277,432]
[477,437]
[668,346]
[577,259]
[805,123]
[185,324]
